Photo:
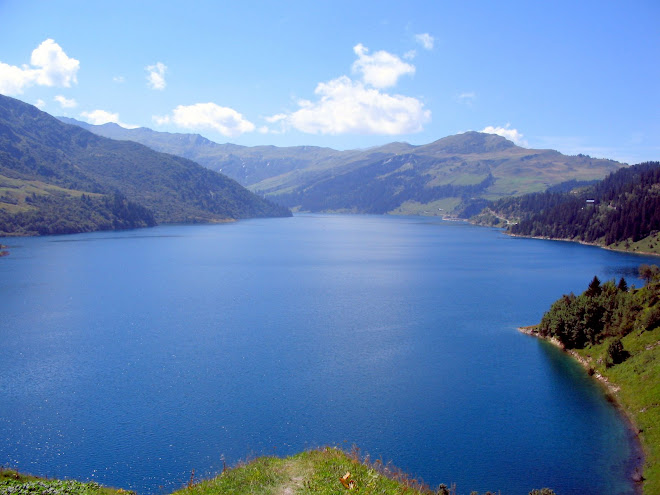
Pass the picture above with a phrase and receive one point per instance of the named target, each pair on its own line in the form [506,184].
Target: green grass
[650,245]
[430,209]
[15,191]
[638,378]
[15,483]
[312,472]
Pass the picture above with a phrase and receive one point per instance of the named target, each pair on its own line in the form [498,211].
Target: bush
[616,353]
[651,319]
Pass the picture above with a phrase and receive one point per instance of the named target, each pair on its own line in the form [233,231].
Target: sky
[579,77]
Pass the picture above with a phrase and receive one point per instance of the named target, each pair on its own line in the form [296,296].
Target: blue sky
[580,77]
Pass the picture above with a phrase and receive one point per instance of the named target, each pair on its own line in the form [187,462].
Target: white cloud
[119,79]
[380,70]
[426,40]
[100,117]
[13,80]
[467,97]
[348,106]
[56,68]
[506,132]
[156,77]
[226,121]
[40,104]
[410,54]
[276,118]
[50,67]
[161,119]
[344,105]
[65,102]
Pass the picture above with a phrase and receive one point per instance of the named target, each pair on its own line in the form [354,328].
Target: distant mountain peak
[470,142]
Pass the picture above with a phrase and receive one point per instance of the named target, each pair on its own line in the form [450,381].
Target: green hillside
[453,175]
[51,171]
[621,212]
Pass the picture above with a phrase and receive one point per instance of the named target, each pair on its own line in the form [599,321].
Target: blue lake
[134,357]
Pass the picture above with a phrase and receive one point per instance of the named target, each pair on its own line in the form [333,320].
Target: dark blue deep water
[134,357]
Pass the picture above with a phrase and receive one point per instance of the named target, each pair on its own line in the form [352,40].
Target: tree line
[623,206]
[605,310]
[64,214]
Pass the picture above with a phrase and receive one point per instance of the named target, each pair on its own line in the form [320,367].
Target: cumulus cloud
[344,105]
[100,117]
[13,80]
[40,104]
[506,132]
[226,121]
[380,70]
[55,67]
[50,67]
[119,79]
[350,106]
[426,40]
[66,102]
[156,76]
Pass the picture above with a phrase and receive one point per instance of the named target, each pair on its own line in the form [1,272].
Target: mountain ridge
[437,178]
[52,173]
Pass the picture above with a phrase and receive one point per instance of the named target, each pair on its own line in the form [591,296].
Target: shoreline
[639,454]
[584,243]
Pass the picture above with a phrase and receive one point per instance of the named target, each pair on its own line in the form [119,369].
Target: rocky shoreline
[611,390]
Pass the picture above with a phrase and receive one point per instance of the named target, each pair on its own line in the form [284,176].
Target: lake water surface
[134,357]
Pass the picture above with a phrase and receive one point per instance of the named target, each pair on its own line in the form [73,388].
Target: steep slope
[47,166]
[246,165]
[448,175]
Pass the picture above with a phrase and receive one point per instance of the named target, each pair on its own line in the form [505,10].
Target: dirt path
[296,473]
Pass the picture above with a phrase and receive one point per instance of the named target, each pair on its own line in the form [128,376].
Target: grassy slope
[13,192]
[312,472]
[648,245]
[316,471]
[638,381]
[12,482]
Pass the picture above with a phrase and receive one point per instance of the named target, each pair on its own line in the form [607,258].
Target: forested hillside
[59,178]
[605,310]
[624,208]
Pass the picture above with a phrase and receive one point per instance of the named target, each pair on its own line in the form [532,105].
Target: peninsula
[614,332]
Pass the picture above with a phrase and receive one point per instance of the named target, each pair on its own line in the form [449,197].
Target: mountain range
[60,178]
[452,175]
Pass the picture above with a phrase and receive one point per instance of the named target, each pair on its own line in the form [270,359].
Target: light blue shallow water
[134,357]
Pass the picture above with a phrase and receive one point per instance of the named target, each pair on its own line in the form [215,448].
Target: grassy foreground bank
[14,483]
[327,471]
